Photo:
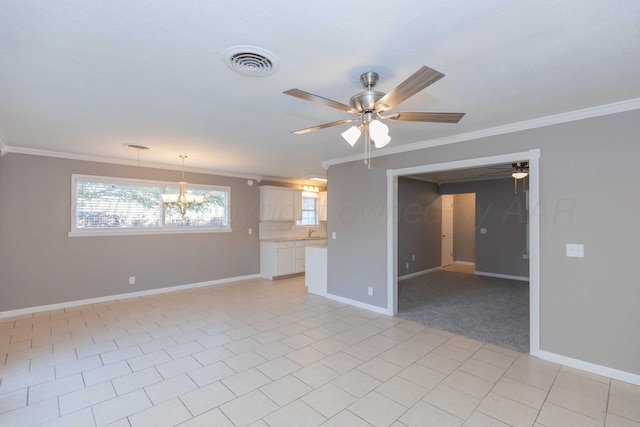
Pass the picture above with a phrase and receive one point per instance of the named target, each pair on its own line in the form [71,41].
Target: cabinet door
[322,206]
[276,204]
[297,205]
[285,261]
[300,250]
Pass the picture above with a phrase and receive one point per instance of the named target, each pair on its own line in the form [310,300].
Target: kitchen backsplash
[289,230]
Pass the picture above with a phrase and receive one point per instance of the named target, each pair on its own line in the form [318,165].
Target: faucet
[311,232]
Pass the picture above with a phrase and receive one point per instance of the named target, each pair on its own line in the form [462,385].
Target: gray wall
[464,227]
[419,225]
[502,213]
[588,307]
[40,264]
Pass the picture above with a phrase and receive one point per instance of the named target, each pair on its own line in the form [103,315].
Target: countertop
[295,239]
[319,246]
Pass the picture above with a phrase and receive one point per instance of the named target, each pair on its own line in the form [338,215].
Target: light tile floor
[265,353]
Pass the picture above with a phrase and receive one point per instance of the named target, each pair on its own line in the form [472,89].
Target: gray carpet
[488,309]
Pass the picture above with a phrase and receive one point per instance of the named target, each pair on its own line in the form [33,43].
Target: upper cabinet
[280,203]
[322,206]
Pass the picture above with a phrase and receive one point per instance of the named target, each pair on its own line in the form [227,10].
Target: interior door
[447,230]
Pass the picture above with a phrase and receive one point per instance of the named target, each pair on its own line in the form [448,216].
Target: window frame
[316,197]
[133,231]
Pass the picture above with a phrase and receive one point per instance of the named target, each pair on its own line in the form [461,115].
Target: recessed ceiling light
[314,177]
[138,147]
[250,60]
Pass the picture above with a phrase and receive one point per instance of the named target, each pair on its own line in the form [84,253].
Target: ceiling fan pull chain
[367,146]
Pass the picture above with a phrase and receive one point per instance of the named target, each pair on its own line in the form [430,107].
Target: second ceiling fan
[372,107]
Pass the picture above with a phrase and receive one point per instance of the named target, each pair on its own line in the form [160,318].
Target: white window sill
[142,232]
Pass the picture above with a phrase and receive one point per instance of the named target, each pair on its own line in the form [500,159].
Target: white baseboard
[374,308]
[502,276]
[552,357]
[418,273]
[464,262]
[48,307]
[589,367]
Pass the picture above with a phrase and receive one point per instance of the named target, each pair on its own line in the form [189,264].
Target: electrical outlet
[250,231]
[333,235]
[483,230]
[413,257]
[132,280]
[407,266]
[575,250]
[370,291]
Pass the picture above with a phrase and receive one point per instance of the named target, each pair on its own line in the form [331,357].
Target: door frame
[533,157]
[450,218]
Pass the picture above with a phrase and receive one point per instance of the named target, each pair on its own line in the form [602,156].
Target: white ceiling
[88,77]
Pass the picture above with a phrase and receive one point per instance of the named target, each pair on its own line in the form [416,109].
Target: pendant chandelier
[182,199]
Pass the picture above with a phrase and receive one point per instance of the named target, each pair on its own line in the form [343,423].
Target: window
[309,210]
[103,205]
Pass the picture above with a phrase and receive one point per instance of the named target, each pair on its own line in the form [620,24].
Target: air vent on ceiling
[250,61]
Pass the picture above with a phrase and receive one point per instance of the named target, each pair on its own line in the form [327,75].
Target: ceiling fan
[372,106]
[518,171]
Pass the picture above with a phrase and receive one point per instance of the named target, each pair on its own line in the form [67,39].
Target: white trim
[130,231]
[590,367]
[418,273]
[464,262]
[62,305]
[501,276]
[125,162]
[534,252]
[97,232]
[533,157]
[374,308]
[3,146]
[602,110]
[392,242]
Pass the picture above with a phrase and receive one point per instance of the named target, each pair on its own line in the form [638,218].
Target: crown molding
[125,162]
[3,146]
[587,113]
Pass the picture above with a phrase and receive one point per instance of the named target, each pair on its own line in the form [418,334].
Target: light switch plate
[575,250]
[483,230]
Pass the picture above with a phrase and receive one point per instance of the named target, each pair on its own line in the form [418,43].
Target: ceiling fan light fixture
[379,143]
[379,133]
[352,134]
[369,104]
[519,174]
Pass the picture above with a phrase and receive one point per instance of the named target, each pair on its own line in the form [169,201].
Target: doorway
[458,232]
[447,230]
[532,157]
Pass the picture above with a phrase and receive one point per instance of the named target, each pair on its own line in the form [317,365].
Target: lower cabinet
[285,261]
[277,259]
[283,258]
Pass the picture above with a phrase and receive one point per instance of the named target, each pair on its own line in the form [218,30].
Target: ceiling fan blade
[427,117]
[422,78]
[326,125]
[315,98]
[504,172]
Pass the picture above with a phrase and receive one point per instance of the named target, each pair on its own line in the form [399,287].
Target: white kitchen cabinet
[280,203]
[277,259]
[300,257]
[322,206]
[284,258]
[286,261]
